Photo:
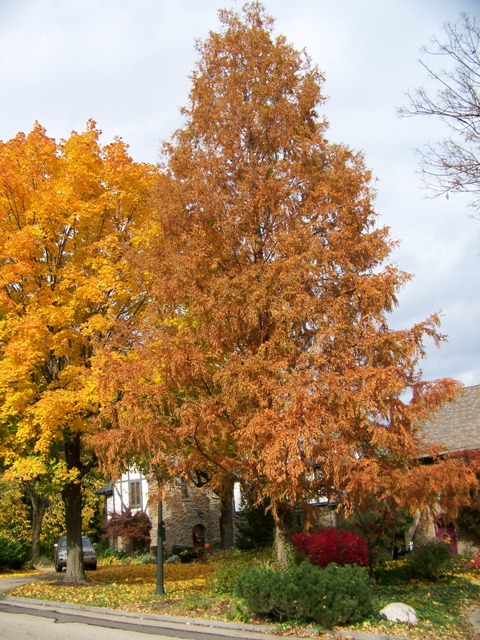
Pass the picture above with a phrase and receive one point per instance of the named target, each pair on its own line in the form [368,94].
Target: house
[190,514]
[129,492]
[456,429]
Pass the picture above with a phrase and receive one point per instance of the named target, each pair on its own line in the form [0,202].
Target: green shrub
[108,555]
[105,550]
[13,555]
[430,561]
[255,528]
[232,564]
[330,596]
[395,572]
[145,558]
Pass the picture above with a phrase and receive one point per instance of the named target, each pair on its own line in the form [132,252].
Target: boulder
[173,559]
[399,612]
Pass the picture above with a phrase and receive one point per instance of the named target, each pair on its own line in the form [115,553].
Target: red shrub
[133,528]
[474,563]
[332,545]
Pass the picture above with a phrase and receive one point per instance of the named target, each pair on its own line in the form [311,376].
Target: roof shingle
[457,424]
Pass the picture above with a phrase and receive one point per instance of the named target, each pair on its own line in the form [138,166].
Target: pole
[160,591]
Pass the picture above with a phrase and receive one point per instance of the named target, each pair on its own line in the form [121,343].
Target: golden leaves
[130,587]
[68,214]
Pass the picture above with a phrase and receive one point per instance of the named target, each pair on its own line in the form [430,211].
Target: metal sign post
[160,590]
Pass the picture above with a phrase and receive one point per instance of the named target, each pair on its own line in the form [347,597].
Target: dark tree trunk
[39,506]
[226,515]
[72,498]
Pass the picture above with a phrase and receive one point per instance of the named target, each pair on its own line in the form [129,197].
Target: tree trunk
[72,498]
[283,545]
[39,506]
[226,515]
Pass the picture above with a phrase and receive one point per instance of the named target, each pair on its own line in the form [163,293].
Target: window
[135,494]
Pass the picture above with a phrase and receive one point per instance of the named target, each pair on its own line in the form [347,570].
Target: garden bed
[192,590]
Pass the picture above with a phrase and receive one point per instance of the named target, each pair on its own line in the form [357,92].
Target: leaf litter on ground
[190,592]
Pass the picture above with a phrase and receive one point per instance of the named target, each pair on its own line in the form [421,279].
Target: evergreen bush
[430,561]
[255,528]
[13,555]
[330,596]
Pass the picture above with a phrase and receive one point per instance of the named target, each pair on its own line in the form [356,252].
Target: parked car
[89,555]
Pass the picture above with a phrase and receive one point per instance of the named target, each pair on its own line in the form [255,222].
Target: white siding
[120,500]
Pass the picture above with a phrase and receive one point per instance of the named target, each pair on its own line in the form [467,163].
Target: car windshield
[85,542]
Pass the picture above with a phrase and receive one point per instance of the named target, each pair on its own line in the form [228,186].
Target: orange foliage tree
[270,359]
[69,217]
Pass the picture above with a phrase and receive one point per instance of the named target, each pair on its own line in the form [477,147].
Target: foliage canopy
[270,359]
[70,215]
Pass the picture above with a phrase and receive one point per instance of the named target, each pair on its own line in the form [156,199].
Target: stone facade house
[456,429]
[191,515]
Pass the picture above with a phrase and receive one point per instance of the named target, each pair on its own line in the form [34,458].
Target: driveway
[7,583]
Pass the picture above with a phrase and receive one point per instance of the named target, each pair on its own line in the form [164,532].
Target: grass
[442,608]
[193,590]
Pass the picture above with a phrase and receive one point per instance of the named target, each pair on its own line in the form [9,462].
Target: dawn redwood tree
[270,359]
[70,214]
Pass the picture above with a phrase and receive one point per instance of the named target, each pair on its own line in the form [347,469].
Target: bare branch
[452,164]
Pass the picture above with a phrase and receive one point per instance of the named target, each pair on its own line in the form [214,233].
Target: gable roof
[106,490]
[457,424]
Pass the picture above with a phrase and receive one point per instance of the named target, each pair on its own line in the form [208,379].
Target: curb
[199,627]
[114,613]
[232,629]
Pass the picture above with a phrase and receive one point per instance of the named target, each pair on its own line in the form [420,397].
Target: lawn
[198,590]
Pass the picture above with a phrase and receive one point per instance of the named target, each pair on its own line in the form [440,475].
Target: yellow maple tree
[71,213]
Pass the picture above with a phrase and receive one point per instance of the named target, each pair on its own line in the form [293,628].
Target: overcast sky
[126,64]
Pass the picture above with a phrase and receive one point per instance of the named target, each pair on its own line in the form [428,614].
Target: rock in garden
[172,560]
[399,612]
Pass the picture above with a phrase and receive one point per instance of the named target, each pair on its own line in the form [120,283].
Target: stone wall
[187,510]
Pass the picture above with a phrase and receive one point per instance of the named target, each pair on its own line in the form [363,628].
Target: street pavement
[22,619]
